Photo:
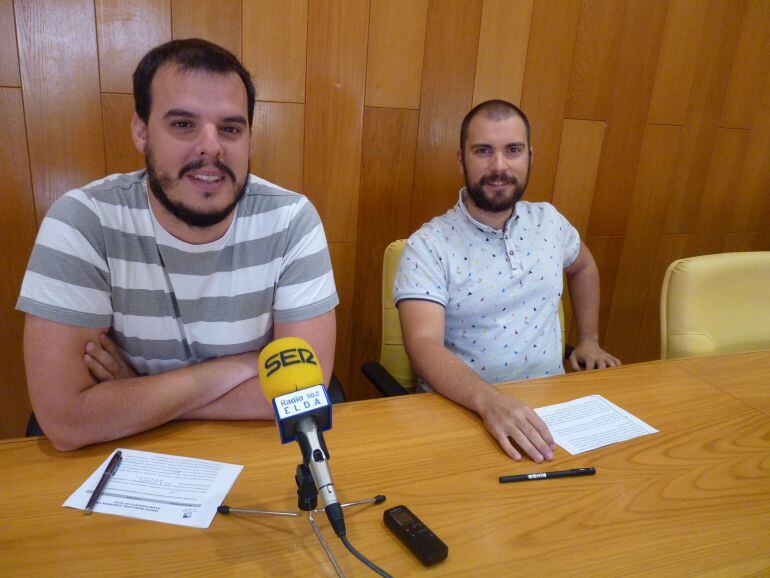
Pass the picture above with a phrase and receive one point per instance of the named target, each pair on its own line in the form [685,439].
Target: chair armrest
[385,383]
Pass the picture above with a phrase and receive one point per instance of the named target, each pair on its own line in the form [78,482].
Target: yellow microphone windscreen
[288,364]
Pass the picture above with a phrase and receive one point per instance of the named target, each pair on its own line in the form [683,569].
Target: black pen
[109,471]
[548,475]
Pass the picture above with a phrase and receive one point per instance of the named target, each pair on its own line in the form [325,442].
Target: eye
[181,124]
[231,130]
[481,150]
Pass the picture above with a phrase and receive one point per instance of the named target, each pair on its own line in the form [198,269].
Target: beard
[159,182]
[500,201]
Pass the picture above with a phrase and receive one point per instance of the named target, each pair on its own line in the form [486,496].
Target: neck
[495,220]
[185,232]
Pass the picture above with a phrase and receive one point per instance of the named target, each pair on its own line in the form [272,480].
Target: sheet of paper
[591,422]
[161,488]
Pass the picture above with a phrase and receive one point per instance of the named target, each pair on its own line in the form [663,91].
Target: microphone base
[379,499]
[307,500]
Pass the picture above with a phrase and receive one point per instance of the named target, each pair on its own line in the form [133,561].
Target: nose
[497,163]
[209,144]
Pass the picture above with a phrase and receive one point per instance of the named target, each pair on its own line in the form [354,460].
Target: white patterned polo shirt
[500,288]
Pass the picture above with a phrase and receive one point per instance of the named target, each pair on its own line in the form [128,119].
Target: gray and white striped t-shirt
[102,260]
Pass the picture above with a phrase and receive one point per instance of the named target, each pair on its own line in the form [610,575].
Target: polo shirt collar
[481,226]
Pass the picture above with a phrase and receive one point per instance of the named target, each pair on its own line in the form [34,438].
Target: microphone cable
[364,559]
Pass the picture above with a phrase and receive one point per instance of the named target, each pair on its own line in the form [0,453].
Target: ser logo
[288,357]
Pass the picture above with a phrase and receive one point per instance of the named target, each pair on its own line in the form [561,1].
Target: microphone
[291,376]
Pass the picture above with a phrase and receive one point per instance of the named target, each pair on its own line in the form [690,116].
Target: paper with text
[160,488]
[591,422]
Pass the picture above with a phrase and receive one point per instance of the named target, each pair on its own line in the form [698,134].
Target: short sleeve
[305,286]
[570,239]
[67,278]
[421,273]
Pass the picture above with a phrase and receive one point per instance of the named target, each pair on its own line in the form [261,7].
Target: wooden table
[693,499]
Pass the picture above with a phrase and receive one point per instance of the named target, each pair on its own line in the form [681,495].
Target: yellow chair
[393,374]
[715,304]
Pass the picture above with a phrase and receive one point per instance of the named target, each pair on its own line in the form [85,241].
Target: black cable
[363,559]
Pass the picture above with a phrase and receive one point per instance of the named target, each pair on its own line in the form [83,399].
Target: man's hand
[104,361]
[588,355]
[508,419]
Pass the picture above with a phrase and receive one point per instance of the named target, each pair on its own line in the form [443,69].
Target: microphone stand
[307,501]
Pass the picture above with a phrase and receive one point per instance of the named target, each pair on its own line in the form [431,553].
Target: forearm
[122,407]
[449,376]
[584,294]
[246,401]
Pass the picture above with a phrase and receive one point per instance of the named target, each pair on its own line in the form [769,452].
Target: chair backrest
[393,355]
[715,304]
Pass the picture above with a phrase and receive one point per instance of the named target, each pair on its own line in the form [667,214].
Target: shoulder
[268,199]
[112,193]
[541,213]
[439,231]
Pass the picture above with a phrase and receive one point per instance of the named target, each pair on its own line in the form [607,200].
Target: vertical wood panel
[334,111]
[60,76]
[682,39]
[387,167]
[343,257]
[447,91]
[750,66]
[218,22]
[652,190]
[735,242]
[546,82]
[752,194]
[596,54]
[704,108]
[713,217]
[395,53]
[631,89]
[9,55]
[120,153]
[17,234]
[581,148]
[502,54]
[276,138]
[670,248]
[274,46]
[127,30]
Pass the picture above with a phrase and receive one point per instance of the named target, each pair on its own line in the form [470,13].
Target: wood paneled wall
[650,127]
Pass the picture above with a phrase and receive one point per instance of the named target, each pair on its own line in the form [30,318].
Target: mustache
[200,163]
[504,177]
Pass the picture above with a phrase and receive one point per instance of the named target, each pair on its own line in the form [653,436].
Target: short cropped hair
[494,110]
[187,54]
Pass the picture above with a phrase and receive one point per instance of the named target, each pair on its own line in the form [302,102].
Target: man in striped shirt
[149,295]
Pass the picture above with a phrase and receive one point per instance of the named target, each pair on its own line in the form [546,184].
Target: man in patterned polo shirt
[149,295]
[478,288]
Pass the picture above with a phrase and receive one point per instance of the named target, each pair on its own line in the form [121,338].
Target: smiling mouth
[207,178]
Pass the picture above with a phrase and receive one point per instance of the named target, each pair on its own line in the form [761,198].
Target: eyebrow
[482,144]
[181,113]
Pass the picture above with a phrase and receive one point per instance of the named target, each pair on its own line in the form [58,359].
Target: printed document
[591,422]
[160,488]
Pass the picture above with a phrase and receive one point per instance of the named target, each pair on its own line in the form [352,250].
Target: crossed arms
[83,393]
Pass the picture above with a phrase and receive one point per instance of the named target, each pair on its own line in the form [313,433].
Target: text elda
[302,401]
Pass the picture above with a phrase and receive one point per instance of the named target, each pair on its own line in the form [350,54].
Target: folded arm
[247,401]
[583,282]
[76,409]
[422,324]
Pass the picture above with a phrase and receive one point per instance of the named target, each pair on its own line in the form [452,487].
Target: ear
[460,162]
[139,133]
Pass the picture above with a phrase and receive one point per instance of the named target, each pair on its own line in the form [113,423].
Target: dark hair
[188,54]
[495,110]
